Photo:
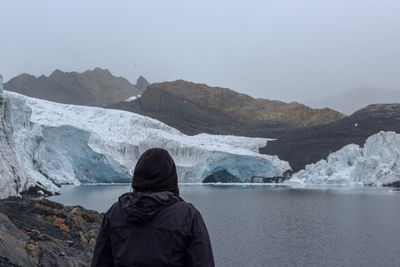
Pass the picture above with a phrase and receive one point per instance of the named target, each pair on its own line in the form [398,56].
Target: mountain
[97,87]
[306,145]
[193,108]
[56,144]
[352,100]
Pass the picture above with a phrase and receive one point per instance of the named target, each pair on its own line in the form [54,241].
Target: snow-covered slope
[68,144]
[377,163]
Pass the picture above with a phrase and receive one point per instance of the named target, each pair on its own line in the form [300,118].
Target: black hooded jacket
[153,229]
[156,229]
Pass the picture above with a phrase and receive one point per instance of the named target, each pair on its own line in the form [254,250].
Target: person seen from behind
[153,225]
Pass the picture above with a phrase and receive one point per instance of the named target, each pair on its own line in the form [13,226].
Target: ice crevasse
[377,163]
[68,144]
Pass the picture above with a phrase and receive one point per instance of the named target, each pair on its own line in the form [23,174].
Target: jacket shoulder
[189,207]
[115,208]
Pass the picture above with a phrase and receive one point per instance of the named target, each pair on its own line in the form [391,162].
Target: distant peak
[142,79]
[141,84]
[25,76]
[99,70]
[57,72]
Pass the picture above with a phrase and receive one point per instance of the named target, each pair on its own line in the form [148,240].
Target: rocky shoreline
[40,232]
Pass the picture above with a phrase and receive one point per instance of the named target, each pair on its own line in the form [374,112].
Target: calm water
[282,226]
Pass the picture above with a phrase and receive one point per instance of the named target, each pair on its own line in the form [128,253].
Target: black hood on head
[155,171]
[141,207]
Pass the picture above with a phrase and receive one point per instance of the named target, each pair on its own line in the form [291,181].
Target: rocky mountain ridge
[97,87]
[193,108]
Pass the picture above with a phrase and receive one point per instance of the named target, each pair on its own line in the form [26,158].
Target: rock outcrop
[96,87]
[46,233]
[141,84]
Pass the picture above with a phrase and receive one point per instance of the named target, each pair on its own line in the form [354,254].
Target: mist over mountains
[352,100]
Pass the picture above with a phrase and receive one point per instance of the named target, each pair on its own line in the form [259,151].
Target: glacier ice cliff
[52,144]
[377,163]
[12,177]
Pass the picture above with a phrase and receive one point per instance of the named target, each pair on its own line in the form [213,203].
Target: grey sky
[299,50]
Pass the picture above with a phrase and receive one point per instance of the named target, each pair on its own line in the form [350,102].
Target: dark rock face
[96,87]
[305,145]
[141,84]
[395,184]
[4,262]
[13,242]
[194,108]
[45,233]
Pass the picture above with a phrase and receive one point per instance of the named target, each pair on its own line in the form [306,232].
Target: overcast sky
[299,50]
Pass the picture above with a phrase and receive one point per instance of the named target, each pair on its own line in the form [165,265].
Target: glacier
[54,144]
[377,163]
[11,177]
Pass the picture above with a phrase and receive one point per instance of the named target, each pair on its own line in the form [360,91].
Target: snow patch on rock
[130,99]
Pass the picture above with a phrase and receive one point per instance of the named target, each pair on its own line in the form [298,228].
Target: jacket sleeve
[102,255]
[199,251]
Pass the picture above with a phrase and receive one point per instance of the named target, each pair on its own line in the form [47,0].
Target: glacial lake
[271,225]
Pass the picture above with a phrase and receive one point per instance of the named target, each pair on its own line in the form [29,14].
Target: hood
[141,207]
[155,171]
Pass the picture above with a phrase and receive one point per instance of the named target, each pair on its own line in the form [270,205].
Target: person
[153,225]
